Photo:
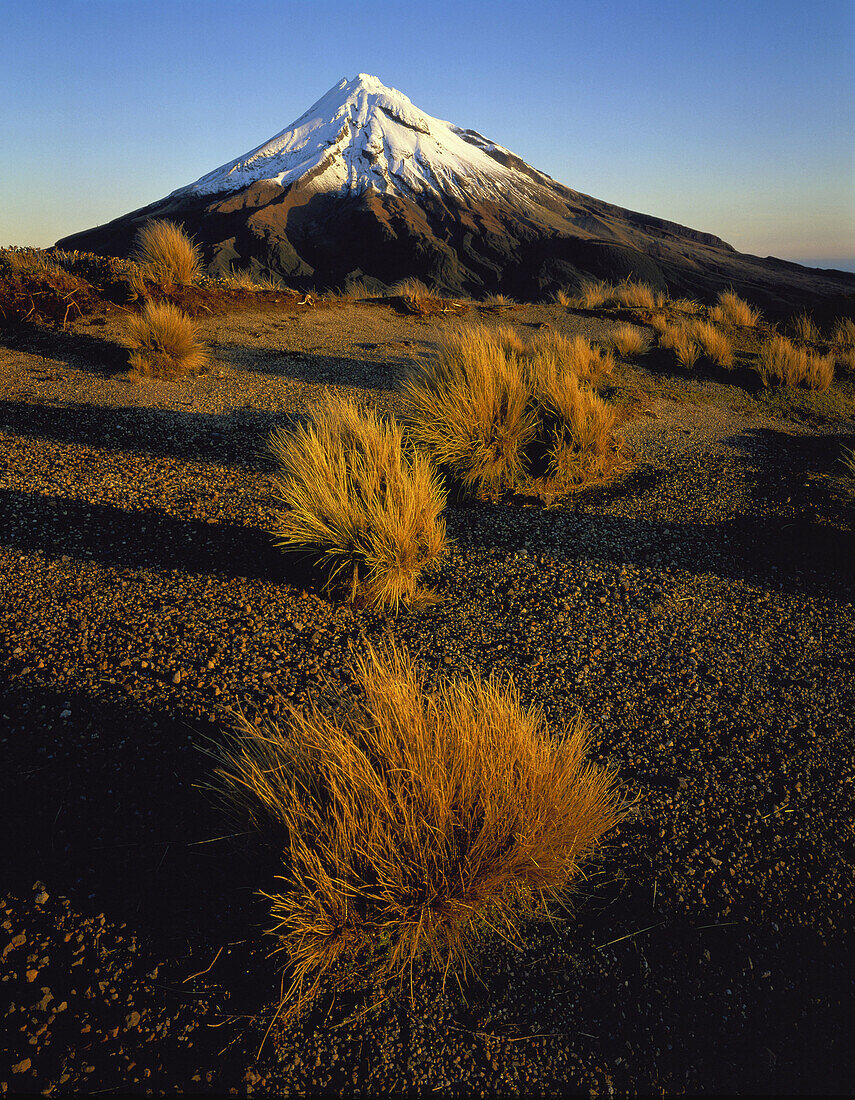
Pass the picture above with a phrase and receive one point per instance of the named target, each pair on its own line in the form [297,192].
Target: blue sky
[735,118]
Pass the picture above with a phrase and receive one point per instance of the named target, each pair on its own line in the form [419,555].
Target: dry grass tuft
[635,295]
[563,297]
[629,340]
[507,415]
[240,279]
[680,340]
[412,825]
[167,254]
[730,309]
[804,329]
[593,293]
[350,491]
[714,344]
[843,343]
[780,362]
[164,342]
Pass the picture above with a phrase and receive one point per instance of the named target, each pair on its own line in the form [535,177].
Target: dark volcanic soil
[700,614]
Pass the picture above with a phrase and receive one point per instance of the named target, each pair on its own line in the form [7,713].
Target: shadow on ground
[238,438]
[75,349]
[148,539]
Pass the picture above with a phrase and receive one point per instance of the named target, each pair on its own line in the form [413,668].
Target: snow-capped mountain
[366,186]
[363,135]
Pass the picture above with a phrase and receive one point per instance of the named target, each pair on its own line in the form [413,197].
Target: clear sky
[733,117]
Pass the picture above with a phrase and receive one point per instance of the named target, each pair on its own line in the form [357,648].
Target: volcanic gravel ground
[700,614]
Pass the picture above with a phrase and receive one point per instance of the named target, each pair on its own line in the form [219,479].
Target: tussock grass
[350,491]
[167,254]
[730,309]
[714,345]
[506,415]
[843,343]
[629,340]
[164,342]
[412,825]
[804,329]
[563,297]
[680,340]
[593,293]
[596,293]
[574,353]
[780,362]
[636,295]
[497,301]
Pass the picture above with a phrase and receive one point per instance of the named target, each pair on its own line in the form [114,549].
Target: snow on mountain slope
[363,135]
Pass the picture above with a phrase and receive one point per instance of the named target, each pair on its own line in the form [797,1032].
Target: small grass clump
[574,353]
[412,824]
[804,328]
[730,309]
[164,342]
[351,492]
[843,343]
[680,340]
[714,344]
[635,295]
[563,297]
[502,415]
[593,294]
[780,362]
[166,254]
[628,340]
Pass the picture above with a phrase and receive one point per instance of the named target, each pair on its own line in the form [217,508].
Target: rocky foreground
[699,613]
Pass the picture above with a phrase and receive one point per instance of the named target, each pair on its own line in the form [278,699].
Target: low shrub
[629,340]
[714,345]
[33,287]
[412,825]
[780,362]
[732,310]
[504,419]
[350,491]
[164,342]
[167,254]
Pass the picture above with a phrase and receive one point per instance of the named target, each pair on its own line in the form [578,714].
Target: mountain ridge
[366,186]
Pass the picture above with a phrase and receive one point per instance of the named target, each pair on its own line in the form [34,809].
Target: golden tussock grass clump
[843,343]
[506,415]
[715,345]
[412,825]
[636,295]
[593,293]
[167,254]
[685,305]
[596,293]
[680,340]
[733,310]
[804,329]
[573,353]
[629,340]
[350,491]
[563,297]
[659,323]
[780,362]
[497,301]
[164,342]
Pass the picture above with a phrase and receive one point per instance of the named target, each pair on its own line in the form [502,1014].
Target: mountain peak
[364,135]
